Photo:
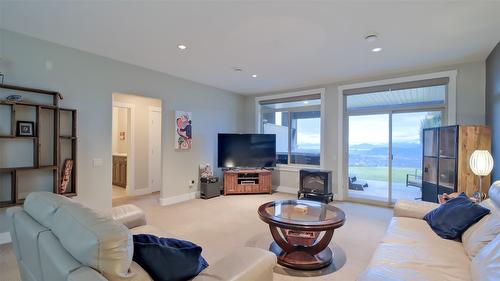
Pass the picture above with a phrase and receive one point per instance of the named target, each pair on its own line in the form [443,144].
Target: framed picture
[183,130]
[25,129]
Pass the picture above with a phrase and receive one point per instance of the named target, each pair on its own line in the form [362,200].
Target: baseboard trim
[178,198]
[141,191]
[5,238]
[286,189]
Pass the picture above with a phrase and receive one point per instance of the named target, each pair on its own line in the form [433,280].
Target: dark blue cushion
[452,218]
[167,258]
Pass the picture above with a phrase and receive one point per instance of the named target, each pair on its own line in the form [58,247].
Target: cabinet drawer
[265,188]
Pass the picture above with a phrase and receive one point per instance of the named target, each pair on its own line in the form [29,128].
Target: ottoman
[130,215]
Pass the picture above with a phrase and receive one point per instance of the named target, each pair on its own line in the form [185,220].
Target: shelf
[69,194]
[46,106]
[446,157]
[53,167]
[17,137]
[67,109]
[7,204]
[49,144]
[10,169]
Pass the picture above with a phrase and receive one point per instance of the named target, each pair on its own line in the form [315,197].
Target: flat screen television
[246,150]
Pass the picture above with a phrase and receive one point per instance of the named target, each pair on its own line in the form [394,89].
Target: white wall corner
[5,238]
[165,201]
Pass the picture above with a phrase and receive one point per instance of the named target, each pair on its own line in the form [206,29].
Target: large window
[384,137]
[296,121]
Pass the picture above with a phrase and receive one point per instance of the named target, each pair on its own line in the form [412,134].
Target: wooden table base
[305,256]
[302,231]
[302,260]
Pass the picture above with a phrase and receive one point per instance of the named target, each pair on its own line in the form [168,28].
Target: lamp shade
[481,162]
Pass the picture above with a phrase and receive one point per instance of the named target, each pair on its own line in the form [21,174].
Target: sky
[308,131]
[369,129]
[374,129]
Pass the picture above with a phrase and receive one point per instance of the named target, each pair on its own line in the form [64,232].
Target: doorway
[123,144]
[136,145]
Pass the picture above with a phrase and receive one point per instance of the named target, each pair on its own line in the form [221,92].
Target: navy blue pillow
[452,218]
[167,258]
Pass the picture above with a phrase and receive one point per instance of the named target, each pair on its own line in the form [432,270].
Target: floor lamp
[481,163]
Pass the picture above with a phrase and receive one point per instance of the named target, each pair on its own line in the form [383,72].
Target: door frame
[342,134]
[150,144]
[131,191]
[390,155]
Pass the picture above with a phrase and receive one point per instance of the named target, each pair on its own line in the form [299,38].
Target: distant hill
[406,154]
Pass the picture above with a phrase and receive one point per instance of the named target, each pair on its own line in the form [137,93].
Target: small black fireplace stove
[316,185]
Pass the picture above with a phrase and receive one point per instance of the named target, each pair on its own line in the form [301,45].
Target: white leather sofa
[56,239]
[411,251]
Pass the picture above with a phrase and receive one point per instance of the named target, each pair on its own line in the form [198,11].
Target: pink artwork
[66,175]
[183,130]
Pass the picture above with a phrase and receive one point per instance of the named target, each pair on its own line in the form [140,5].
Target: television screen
[246,150]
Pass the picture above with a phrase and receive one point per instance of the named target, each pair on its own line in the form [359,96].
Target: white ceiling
[288,44]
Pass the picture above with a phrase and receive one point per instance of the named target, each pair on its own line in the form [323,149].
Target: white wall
[470,110]
[87,82]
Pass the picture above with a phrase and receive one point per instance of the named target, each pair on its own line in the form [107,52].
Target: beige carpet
[118,192]
[8,264]
[221,225]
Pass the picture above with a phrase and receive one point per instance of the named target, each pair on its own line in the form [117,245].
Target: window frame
[321,107]
[451,114]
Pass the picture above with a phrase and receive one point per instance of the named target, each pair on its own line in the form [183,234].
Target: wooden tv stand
[247,181]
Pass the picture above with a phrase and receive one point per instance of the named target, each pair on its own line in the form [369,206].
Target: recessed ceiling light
[371,37]
[254,75]
[237,69]
[376,50]
[182,47]
[306,102]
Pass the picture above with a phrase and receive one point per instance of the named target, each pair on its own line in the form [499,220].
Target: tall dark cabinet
[446,153]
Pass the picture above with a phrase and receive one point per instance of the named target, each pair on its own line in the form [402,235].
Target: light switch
[97,162]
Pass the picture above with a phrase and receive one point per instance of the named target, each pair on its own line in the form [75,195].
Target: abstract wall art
[183,130]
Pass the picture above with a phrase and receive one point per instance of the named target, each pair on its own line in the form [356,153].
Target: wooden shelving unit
[54,141]
[446,154]
[247,181]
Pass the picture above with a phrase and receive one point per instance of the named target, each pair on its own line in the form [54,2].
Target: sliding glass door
[385,154]
[383,128]
[368,176]
[407,152]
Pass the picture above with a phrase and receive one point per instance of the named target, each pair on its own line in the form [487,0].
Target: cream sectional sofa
[411,251]
[56,239]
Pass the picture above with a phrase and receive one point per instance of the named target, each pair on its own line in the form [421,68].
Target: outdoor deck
[378,190]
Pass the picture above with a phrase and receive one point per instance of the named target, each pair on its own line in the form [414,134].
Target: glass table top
[296,211]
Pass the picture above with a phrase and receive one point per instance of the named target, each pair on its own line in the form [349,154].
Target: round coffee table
[296,226]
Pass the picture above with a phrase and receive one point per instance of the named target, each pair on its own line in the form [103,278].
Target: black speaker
[209,179]
[210,187]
